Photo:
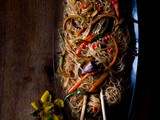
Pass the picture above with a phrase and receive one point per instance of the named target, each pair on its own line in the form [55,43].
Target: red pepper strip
[115,4]
[98,82]
[80,81]
[116,9]
[90,37]
[83,44]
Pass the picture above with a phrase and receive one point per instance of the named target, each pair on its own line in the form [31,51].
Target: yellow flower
[48,109]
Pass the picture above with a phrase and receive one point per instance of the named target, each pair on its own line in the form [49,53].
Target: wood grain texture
[25,55]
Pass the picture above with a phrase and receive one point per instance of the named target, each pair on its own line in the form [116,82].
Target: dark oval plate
[123,110]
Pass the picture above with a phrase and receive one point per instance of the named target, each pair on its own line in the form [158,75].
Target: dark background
[26,28]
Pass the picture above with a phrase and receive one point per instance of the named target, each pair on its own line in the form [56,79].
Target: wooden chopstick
[83,107]
[103,106]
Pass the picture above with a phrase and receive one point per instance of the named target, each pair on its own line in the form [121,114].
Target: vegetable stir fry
[94,43]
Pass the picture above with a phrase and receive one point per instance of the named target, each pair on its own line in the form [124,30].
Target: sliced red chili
[106,37]
[108,51]
[94,45]
[99,8]
[83,6]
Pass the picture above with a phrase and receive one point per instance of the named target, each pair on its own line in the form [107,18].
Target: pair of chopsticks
[102,104]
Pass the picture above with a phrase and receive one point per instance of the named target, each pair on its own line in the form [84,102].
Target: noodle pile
[93,47]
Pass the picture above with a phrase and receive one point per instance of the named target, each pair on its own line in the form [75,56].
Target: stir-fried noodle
[93,47]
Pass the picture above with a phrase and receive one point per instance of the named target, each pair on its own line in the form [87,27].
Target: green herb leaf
[35,113]
[49,118]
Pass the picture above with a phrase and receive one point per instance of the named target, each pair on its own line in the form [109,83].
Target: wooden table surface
[25,55]
[26,29]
